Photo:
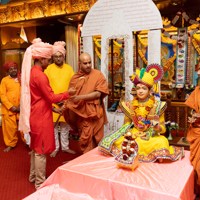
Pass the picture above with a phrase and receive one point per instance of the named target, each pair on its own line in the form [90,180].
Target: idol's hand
[157,128]
[154,123]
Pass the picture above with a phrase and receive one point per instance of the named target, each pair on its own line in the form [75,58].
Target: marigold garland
[139,116]
[148,105]
[168,63]
[196,45]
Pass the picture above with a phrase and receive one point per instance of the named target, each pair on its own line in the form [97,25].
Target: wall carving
[16,11]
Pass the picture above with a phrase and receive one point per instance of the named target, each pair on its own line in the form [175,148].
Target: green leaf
[142,72]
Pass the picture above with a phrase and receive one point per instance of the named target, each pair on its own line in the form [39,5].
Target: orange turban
[10,64]
[59,47]
[41,49]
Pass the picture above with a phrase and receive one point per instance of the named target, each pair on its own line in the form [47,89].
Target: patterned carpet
[14,172]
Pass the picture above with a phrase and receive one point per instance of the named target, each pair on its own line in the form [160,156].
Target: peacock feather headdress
[148,76]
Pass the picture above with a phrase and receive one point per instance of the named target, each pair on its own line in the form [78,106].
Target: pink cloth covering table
[95,176]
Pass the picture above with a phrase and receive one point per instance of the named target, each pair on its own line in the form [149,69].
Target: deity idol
[144,119]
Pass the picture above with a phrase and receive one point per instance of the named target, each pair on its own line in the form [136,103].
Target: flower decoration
[172,85]
[189,86]
[171,125]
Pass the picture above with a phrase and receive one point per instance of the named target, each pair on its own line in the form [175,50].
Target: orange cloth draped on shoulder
[90,116]
[193,134]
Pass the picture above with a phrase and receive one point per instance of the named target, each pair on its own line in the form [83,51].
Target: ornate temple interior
[21,21]
[177,31]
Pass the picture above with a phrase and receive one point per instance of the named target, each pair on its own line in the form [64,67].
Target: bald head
[85,63]
[84,56]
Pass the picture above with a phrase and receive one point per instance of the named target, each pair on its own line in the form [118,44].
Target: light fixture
[174,3]
[23,34]
[70,18]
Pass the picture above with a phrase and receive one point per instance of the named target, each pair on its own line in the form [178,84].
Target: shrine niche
[111,43]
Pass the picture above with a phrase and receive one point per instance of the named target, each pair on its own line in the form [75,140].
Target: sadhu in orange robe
[88,117]
[193,134]
[10,96]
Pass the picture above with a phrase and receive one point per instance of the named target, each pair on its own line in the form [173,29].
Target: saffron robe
[41,119]
[59,78]
[90,116]
[193,134]
[10,96]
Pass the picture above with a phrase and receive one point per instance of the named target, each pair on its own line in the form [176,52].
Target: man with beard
[10,99]
[59,74]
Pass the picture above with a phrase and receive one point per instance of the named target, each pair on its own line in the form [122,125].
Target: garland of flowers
[142,56]
[139,116]
[169,61]
[196,45]
[96,42]
[148,105]
[97,53]
[168,40]
[118,63]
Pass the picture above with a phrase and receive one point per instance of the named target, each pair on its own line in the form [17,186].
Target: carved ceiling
[37,12]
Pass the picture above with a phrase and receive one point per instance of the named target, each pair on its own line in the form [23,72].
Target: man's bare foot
[69,151]
[7,149]
[54,153]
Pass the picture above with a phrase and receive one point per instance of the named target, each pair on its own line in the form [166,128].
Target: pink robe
[41,118]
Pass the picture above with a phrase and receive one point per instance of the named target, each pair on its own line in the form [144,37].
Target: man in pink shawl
[36,107]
